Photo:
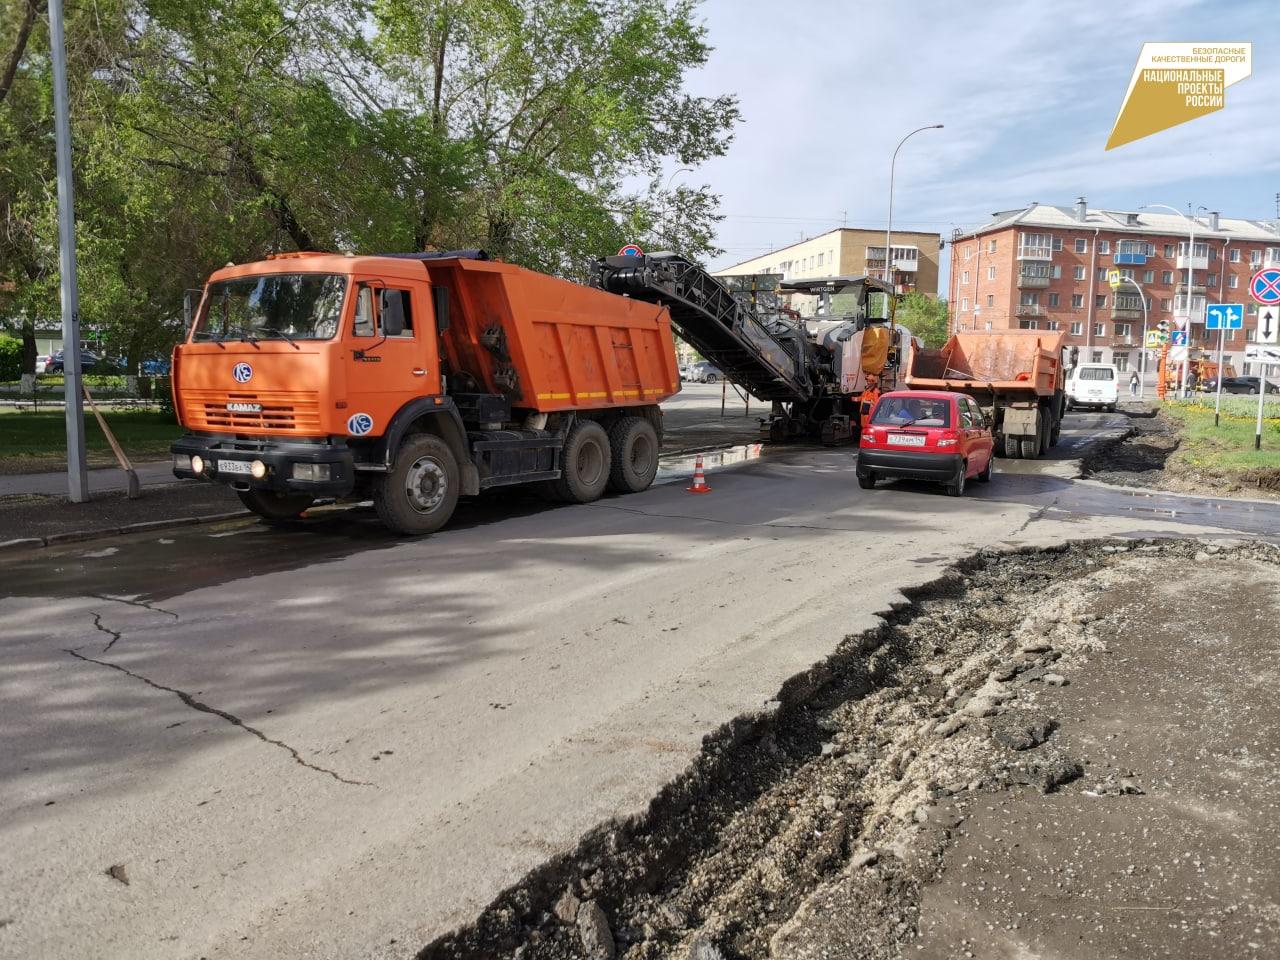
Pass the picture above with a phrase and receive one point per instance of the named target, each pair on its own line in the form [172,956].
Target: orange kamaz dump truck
[413,379]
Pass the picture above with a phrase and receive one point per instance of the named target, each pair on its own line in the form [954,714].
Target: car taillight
[948,438]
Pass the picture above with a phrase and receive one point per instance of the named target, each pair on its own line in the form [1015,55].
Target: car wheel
[633,444]
[867,481]
[985,475]
[584,463]
[1253,391]
[956,487]
[711,378]
[275,507]
[419,493]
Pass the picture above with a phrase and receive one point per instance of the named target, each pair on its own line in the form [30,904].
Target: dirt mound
[1136,459]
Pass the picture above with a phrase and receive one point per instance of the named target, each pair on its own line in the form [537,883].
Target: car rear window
[912,411]
[1096,373]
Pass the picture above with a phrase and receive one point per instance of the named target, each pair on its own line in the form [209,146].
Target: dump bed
[549,344]
[1010,362]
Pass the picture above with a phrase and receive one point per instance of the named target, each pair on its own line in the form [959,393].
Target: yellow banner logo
[1176,82]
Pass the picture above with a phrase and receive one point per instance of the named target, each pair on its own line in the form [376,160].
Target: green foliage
[10,358]
[925,317]
[209,131]
[1233,405]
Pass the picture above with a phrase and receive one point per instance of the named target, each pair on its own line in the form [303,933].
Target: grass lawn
[1227,448]
[31,442]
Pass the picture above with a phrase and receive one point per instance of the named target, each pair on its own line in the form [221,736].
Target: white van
[1093,385]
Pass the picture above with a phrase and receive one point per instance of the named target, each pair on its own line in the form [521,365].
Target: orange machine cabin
[307,375]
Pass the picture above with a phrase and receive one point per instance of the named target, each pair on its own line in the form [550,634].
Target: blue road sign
[1178,338]
[1265,285]
[1224,316]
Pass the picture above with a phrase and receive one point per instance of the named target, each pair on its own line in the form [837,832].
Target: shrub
[10,358]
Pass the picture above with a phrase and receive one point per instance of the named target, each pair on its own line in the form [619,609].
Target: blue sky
[1027,91]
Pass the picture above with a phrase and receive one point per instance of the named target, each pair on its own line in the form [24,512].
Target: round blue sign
[1265,285]
[359,424]
[242,373]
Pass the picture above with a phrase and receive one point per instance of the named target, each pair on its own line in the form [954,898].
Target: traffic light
[1163,326]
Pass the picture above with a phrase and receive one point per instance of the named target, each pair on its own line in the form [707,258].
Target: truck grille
[283,412]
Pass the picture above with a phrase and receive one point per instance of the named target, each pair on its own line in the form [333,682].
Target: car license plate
[233,466]
[906,439]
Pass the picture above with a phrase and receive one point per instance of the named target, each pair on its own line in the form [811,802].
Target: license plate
[233,466]
[906,440]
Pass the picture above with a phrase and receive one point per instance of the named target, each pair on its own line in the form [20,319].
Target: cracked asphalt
[328,742]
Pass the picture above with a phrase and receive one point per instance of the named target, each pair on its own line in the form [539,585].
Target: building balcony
[1126,341]
[1029,310]
[1196,263]
[1035,253]
[1130,259]
[1028,283]
[1126,312]
[1197,290]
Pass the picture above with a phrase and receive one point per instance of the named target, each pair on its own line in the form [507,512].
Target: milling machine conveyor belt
[725,330]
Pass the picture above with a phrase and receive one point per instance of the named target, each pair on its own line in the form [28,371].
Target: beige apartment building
[852,252]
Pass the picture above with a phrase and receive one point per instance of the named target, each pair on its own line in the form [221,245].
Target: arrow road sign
[1267,355]
[1265,286]
[1178,338]
[1224,316]
[1268,325]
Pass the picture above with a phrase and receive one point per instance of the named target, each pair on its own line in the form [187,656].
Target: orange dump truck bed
[1007,361]
[551,345]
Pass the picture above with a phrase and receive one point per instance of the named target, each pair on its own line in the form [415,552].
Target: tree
[925,317]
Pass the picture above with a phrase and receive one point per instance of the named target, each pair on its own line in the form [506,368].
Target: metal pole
[1186,321]
[888,230]
[1217,403]
[1142,357]
[77,476]
[1262,393]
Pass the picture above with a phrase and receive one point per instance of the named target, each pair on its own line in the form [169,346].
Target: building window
[1026,325]
[1123,330]
[1102,274]
[1053,299]
[1099,329]
[1233,281]
[1126,272]
[1082,245]
[1213,280]
[991,273]
[1078,273]
[1051,325]
[1121,360]
[819,259]
[1077,300]
[1029,298]
[1251,309]
[1077,328]
[1097,356]
[1057,272]
[991,300]
[1255,258]
[991,246]
[964,304]
[968,252]
[1149,276]
[1168,249]
[1100,301]
[1057,243]
[1235,254]
[988,324]
[964,277]
[1166,276]
[1104,247]
[1166,304]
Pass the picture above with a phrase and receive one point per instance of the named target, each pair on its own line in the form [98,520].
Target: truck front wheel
[275,507]
[634,445]
[419,493]
[584,464]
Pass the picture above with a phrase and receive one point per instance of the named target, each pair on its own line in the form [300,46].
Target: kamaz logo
[244,407]
[242,373]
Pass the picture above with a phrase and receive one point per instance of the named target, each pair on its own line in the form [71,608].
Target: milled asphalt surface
[327,742]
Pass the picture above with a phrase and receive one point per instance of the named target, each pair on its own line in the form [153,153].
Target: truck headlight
[257,469]
[197,463]
[311,471]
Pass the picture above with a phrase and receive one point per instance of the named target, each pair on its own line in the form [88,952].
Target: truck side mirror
[190,300]
[440,299]
[392,313]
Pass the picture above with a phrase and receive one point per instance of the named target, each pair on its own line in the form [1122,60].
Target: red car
[926,435]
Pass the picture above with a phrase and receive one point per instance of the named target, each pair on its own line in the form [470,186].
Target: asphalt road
[328,742]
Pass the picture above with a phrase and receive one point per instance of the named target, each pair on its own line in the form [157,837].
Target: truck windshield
[285,306]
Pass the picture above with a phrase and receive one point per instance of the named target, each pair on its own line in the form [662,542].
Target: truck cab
[414,379]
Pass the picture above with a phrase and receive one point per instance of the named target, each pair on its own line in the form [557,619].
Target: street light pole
[888,230]
[77,475]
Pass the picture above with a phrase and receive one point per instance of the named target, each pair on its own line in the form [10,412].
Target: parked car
[1093,385]
[89,362]
[1249,385]
[42,361]
[926,435]
[705,372]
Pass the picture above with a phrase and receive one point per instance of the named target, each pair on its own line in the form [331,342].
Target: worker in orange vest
[870,397]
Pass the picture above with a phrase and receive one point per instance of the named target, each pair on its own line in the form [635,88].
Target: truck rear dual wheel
[584,464]
[275,507]
[633,446]
[419,493]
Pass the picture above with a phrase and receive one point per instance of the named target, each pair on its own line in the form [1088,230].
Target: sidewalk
[101,480]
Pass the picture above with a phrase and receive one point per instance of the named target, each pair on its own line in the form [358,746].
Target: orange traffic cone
[699,481]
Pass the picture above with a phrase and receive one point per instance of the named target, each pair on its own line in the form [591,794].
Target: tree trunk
[29,346]
[19,46]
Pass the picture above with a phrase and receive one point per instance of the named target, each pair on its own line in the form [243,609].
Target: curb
[78,536]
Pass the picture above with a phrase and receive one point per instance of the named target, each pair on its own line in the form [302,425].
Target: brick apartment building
[852,252]
[1045,268]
